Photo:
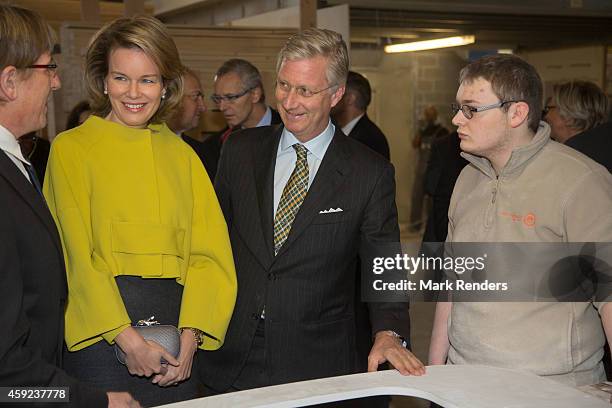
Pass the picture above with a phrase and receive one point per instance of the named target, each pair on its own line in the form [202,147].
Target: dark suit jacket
[370,135]
[308,289]
[595,143]
[33,291]
[443,169]
[210,149]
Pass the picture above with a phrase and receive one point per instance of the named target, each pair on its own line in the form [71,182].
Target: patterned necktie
[293,196]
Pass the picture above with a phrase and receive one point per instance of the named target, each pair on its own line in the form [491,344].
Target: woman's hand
[143,357]
[182,372]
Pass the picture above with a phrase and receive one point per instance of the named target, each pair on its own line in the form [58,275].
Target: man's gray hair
[314,42]
[583,104]
[248,73]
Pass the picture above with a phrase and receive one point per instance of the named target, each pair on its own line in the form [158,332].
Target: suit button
[271,276]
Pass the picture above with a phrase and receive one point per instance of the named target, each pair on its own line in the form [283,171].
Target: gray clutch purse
[166,336]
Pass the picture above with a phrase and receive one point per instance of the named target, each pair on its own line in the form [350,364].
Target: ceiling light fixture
[431,44]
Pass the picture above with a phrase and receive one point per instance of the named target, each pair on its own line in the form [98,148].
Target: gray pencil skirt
[97,364]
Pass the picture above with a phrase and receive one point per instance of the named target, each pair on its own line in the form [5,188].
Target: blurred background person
[351,115]
[78,115]
[142,228]
[429,130]
[188,114]
[443,169]
[35,149]
[239,95]
[577,113]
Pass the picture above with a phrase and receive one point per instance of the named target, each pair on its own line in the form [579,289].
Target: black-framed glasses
[547,109]
[468,111]
[231,98]
[286,87]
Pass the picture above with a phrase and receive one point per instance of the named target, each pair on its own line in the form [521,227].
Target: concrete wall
[402,85]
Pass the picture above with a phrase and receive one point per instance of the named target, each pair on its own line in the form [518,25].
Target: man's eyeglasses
[468,111]
[50,67]
[547,109]
[286,87]
[231,98]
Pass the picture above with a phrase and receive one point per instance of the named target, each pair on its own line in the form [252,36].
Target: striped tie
[292,198]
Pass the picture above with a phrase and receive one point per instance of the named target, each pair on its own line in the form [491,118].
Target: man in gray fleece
[521,186]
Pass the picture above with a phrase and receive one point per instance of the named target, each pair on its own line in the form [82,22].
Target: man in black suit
[350,114]
[301,201]
[443,169]
[32,277]
[239,95]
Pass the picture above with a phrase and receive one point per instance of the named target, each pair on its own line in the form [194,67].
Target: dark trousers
[255,375]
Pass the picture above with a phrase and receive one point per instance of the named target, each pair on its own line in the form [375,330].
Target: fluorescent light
[431,44]
[505,51]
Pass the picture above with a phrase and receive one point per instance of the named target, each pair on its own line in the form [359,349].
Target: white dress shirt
[10,146]
[348,128]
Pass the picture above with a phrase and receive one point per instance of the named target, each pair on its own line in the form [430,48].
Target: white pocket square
[331,210]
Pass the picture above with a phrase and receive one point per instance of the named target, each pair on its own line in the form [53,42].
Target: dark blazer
[308,289]
[370,135]
[33,290]
[595,143]
[443,169]
[209,150]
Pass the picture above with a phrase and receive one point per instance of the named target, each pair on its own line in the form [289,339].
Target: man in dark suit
[578,113]
[32,277]
[443,169]
[239,95]
[301,201]
[350,114]
[595,143]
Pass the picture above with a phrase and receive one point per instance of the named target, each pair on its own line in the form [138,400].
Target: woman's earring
[105,91]
[164,95]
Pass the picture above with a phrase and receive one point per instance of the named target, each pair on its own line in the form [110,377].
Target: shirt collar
[9,144]
[348,128]
[519,156]
[317,145]
[266,120]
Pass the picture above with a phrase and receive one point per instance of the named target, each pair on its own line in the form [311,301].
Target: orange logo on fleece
[528,220]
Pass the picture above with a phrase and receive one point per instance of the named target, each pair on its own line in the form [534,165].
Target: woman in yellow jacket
[142,229]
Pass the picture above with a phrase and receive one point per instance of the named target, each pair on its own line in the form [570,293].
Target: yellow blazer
[137,202]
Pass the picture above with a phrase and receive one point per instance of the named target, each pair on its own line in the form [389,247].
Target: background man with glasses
[239,95]
[520,186]
[33,287]
[299,200]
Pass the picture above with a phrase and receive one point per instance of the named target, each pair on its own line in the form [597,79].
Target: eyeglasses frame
[455,108]
[231,98]
[312,93]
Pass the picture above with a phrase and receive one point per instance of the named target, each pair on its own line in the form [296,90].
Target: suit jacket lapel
[331,174]
[24,188]
[264,162]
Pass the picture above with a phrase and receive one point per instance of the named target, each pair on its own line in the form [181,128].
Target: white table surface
[459,386]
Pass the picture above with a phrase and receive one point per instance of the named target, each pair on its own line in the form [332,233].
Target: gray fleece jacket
[547,192]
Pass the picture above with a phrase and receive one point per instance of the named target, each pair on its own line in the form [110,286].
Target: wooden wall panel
[56,12]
